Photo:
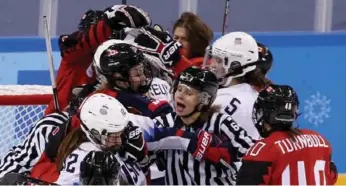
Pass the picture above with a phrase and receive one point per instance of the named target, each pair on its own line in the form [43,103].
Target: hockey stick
[34,181]
[21,179]
[50,60]
[225,16]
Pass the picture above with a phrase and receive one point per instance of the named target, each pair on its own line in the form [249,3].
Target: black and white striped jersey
[22,158]
[181,167]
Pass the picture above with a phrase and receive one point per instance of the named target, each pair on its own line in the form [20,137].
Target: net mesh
[17,120]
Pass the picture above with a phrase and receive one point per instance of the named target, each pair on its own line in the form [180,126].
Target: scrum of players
[142,107]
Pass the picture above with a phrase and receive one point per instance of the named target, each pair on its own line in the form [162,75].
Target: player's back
[160,90]
[237,101]
[70,172]
[301,160]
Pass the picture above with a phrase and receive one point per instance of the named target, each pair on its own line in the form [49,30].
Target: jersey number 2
[230,109]
[70,163]
[318,169]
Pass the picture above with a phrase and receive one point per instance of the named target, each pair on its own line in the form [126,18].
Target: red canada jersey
[75,67]
[279,159]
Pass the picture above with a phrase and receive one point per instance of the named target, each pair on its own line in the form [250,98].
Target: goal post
[21,106]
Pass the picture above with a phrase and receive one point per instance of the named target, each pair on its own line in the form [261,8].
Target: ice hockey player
[234,58]
[127,81]
[104,121]
[112,25]
[77,49]
[287,155]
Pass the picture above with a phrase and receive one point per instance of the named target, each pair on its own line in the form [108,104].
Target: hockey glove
[209,147]
[133,145]
[121,16]
[158,27]
[99,168]
[89,18]
[160,44]
[79,93]
[68,41]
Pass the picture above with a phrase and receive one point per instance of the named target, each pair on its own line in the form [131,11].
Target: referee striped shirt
[23,157]
[181,166]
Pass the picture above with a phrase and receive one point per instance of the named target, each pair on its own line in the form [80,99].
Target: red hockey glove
[209,147]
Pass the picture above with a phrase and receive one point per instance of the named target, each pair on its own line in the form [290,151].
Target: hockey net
[20,107]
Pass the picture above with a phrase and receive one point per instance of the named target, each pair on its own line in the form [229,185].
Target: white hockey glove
[159,44]
[122,16]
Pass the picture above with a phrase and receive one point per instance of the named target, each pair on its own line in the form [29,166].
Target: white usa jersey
[237,101]
[159,90]
[70,173]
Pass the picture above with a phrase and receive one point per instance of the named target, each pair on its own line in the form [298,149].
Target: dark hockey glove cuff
[89,18]
[79,93]
[159,44]
[134,146]
[68,41]
[100,168]
[121,16]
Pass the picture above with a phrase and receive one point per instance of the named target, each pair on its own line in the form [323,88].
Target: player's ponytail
[255,78]
[205,115]
[292,133]
[69,144]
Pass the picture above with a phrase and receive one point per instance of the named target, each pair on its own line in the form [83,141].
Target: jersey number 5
[232,107]
[132,171]
[302,174]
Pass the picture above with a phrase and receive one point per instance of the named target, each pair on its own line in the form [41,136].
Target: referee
[210,144]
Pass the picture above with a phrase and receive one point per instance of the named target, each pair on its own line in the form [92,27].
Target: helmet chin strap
[227,82]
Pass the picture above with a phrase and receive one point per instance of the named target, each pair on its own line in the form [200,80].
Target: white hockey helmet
[232,55]
[102,115]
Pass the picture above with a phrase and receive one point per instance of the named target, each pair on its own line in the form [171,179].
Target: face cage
[143,69]
[214,64]
[101,140]
[222,66]
[125,77]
